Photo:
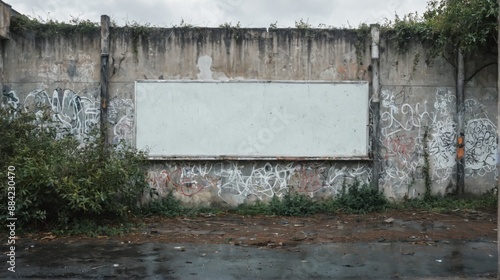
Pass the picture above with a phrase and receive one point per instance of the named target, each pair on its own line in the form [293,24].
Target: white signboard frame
[204,120]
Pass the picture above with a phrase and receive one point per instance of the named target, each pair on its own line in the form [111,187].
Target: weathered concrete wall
[60,72]
[417,96]
[5,12]
[221,54]
[235,182]
[481,95]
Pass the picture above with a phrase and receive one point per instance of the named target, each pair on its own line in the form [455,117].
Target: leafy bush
[60,181]
[448,26]
[293,204]
[361,199]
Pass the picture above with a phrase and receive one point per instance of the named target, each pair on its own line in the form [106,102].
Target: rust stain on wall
[460,147]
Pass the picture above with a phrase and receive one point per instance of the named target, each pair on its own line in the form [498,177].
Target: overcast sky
[250,13]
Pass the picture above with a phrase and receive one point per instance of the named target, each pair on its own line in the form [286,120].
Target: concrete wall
[5,12]
[249,54]
[417,96]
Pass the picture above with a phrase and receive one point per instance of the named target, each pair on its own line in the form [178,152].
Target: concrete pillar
[5,13]
[105,25]
[375,104]
[460,124]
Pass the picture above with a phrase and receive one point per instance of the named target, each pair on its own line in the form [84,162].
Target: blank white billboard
[252,120]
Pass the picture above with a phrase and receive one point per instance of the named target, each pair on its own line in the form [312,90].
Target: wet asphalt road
[400,260]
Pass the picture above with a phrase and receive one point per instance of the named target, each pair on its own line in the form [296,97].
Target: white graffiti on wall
[442,148]
[402,135]
[444,99]
[73,114]
[12,100]
[121,116]
[234,182]
[261,181]
[186,180]
[480,147]
[480,140]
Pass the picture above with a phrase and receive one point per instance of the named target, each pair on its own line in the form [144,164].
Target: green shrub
[167,206]
[445,204]
[361,199]
[293,204]
[60,181]
[258,208]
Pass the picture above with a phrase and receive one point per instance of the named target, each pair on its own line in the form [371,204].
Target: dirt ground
[416,227]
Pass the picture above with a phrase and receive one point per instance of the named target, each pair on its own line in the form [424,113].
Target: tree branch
[450,62]
[479,70]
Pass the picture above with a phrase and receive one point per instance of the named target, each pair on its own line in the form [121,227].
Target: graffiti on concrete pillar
[121,116]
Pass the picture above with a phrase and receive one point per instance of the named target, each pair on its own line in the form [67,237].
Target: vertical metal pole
[375,35]
[105,24]
[461,132]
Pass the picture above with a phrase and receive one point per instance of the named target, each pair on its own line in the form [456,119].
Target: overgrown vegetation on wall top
[448,25]
[22,24]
